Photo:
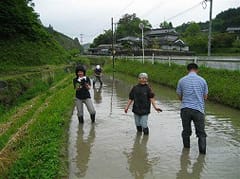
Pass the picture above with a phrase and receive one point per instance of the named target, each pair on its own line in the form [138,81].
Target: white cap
[143,75]
[98,66]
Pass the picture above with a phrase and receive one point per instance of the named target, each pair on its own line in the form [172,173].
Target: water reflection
[112,89]
[97,94]
[138,161]
[189,170]
[117,153]
[84,148]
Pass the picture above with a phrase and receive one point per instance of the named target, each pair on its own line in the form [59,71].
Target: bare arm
[153,101]
[205,96]
[180,97]
[128,105]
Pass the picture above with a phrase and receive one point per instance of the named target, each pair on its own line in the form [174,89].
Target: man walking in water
[192,90]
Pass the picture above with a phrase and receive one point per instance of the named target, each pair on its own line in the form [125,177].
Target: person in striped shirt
[192,91]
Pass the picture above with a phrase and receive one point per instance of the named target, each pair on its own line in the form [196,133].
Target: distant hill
[67,42]
[25,41]
[223,20]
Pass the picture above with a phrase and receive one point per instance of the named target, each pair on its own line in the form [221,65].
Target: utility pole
[81,38]
[113,50]
[141,26]
[210,28]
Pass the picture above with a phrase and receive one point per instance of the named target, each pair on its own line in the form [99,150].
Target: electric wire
[187,10]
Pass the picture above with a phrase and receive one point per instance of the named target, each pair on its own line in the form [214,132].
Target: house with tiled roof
[165,39]
[233,29]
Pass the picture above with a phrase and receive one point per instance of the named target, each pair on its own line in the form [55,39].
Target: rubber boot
[186,142]
[93,118]
[80,119]
[139,128]
[202,145]
[145,131]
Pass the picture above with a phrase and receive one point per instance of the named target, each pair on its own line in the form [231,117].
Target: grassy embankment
[34,108]
[33,136]
[34,125]
[223,84]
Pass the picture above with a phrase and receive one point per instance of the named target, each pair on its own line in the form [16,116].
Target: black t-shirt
[81,91]
[141,95]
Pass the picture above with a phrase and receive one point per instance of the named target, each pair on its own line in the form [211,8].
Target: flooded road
[111,148]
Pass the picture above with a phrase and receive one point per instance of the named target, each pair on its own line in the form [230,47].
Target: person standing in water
[82,84]
[97,75]
[192,90]
[142,96]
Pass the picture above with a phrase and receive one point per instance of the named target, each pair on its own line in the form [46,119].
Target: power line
[155,7]
[185,11]
[125,7]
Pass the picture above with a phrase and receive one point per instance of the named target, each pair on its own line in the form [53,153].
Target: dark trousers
[188,115]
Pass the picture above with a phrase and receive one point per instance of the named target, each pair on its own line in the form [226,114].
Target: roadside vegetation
[34,130]
[37,64]
[223,84]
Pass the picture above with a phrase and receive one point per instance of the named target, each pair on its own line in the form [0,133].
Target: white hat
[98,66]
[143,75]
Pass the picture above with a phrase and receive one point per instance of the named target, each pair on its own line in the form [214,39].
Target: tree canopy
[128,25]
[17,17]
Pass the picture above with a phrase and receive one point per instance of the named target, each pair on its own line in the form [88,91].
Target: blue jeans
[141,120]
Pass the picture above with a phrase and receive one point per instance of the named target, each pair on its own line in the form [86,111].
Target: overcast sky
[86,19]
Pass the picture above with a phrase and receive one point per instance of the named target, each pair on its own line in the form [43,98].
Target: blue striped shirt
[192,88]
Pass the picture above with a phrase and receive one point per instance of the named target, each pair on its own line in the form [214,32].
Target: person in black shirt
[142,96]
[82,84]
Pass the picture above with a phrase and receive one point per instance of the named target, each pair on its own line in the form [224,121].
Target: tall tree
[128,25]
[105,38]
[17,17]
[192,30]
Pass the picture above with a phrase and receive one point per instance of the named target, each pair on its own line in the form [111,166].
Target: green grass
[41,151]
[223,84]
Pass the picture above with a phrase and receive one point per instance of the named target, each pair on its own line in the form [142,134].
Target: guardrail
[219,62]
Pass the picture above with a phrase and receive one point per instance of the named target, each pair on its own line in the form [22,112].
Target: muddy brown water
[111,148]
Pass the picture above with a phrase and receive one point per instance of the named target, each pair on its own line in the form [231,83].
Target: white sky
[91,17]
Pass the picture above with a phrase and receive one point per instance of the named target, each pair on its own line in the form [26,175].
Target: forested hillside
[223,42]
[25,41]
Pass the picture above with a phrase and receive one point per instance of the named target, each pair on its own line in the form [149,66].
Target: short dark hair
[80,68]
[192,66]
